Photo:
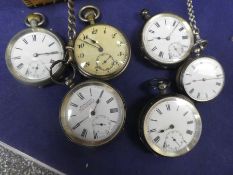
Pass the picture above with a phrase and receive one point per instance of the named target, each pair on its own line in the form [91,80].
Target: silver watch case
[156,62]
[141,130]
[10,67]
[180,75]
[65,127]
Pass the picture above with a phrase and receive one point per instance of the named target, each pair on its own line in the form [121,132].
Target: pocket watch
[92,113]
[202,78]
[101,50]
[170,125]
[31,52]
[166,39]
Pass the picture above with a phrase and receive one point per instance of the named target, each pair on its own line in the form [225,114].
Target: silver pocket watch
[166,39]
[170,125]
[92,113]
[31,52]
[202,78]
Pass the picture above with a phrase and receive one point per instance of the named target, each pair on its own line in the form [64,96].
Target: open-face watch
[101,50]
[31,52]
[170,125]
[92,113]
[166,39]
[202,78]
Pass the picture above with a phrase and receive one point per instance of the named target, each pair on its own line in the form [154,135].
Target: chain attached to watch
[200,44]
[68,60]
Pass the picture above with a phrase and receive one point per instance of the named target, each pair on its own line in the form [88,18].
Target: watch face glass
[203,79]
[172,126]
[102,51]
[32,54]
[167,38]
[92,114]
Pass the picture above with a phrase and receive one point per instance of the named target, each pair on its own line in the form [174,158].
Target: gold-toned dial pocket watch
[166,39]
[202,78]
[101,51]
[31,52]
[92,113]
[170,125]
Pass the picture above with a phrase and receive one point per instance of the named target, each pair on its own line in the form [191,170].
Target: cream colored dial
[102,51]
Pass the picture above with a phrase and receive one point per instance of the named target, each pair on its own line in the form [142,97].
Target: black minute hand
[79,123]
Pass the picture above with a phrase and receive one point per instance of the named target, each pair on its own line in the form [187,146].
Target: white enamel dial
[172,126]
[203,79]
[30,55]
[92,113]
[167,39]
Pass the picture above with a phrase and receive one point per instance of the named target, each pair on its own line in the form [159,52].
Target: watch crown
[145,14]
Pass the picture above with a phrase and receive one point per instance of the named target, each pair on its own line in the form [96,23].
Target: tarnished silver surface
[15,162]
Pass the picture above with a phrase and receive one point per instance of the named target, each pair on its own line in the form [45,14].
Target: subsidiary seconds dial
[167,40]
[92,113]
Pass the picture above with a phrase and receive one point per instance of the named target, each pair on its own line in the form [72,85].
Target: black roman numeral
[191,91]
[154,48]
[151,31]
[190,122]
[156,140]
[80,95]
[185,113]
[218,84]
[159,111]
[33,37]
[182,28]
[168,107]
[184,37]
[95,135]
[101,93]
[84,133]
[161,54]
[25,41]
[113,110]
[51,44]
[109,100]
[73,104]
[20,66]
[157,24]
[189,132]
[174,23]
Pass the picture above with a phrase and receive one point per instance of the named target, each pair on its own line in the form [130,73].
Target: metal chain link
[68,60]
[192,18]
[200,44]
[71,20]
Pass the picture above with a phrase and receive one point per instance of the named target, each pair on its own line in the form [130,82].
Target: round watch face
[167,39]
[30,54]
[203,79]
[172,126]
[92,113]
[102,51]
